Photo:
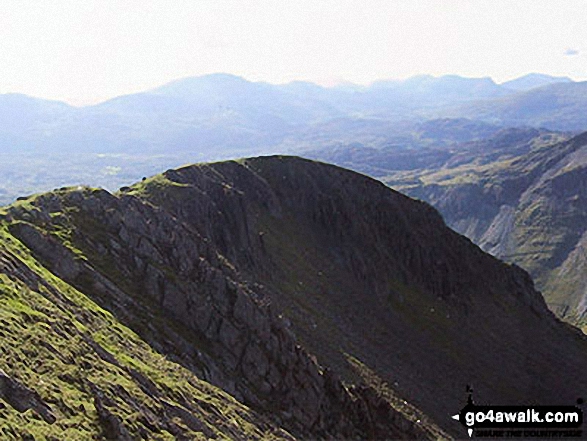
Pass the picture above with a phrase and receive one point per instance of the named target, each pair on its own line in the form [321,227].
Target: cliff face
[281,282]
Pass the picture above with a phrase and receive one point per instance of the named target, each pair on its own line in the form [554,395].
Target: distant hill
[218,114]
[556,106]
[30,124]
[533,80]
[46,144]
[521,198]
[520,194]
[225,115]
[410,146]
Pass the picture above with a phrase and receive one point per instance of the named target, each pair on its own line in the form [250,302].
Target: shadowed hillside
[274,279]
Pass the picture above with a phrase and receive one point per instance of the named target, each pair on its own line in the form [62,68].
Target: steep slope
[183,300]
[371,282]
[529,208]
[71,370]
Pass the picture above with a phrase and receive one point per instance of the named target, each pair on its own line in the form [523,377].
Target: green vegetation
[118,306]
[49,337]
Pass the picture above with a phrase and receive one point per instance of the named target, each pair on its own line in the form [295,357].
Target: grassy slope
[72,224]
[336,254]
[49,334]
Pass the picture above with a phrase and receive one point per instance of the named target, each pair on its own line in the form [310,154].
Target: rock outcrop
[22,398]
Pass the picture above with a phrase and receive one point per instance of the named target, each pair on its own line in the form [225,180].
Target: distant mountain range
[557,107]
[278,297]
[46,144]
[534,80]
[222,114]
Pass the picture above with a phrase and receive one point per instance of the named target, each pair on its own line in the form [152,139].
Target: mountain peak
[201,84]
[534,80]
[276,279]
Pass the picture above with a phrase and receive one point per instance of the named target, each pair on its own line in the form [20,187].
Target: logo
[520,421]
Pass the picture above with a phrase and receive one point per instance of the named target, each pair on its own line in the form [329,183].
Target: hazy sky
[82,51]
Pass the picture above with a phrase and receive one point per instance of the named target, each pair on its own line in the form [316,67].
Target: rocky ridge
[170,284]
[325,303]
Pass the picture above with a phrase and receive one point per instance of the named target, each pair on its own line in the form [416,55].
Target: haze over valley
[222,116]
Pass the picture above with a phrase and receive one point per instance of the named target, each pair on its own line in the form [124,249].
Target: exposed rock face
[22,398]
[250,345]
[113,428]
[59,382]
[239,271]
[138,261]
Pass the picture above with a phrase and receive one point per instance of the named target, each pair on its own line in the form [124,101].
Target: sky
[85,51]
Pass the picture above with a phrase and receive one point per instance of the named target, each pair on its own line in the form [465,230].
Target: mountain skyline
[88,52]
[293,220]
[518,194]
[520,83]
[48,144]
